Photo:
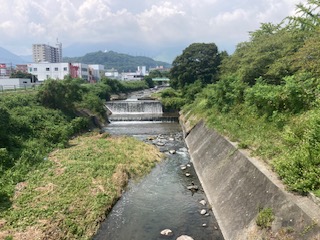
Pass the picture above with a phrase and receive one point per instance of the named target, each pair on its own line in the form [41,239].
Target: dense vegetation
[34,123]
[266,95]
[119,61]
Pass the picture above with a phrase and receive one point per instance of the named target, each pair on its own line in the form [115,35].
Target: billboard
[3,65]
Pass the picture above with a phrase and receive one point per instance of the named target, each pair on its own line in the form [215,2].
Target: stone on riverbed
[183,167]
[166,232]
[193,187]
[160,144]
[188,174]
[203,212]
[172,151]
[203,202]
[184,237]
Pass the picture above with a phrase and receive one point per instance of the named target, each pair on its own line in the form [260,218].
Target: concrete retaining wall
[237,186]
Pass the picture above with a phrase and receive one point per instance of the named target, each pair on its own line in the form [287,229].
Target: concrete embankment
[238,186]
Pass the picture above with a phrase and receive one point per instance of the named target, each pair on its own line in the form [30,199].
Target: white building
[14,83]
[44,71]
[138,75]
[112,73]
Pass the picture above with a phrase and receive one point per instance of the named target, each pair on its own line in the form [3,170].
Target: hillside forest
[265,96]
[118,61]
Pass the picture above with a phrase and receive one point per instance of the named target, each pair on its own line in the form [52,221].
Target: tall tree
[199,61]
[307,17]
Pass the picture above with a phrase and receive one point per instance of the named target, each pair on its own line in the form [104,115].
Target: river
[161,200]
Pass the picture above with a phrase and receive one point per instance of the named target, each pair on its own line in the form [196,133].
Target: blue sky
[153,28]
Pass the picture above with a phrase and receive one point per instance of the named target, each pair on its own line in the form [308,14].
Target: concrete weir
[238,186]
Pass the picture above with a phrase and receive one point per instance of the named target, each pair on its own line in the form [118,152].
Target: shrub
[226,93]
[265,218]
[58,94]
[299,165]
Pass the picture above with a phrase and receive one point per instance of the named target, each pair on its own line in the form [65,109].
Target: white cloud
[142,23]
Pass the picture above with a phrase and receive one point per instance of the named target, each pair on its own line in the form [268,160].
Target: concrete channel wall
[238,186]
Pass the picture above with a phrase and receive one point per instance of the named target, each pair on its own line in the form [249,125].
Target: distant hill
[119,61]
[10,58]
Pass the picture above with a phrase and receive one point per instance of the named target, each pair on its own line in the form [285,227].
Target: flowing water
[161,200]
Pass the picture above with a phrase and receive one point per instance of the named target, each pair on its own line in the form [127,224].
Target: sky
[159,29]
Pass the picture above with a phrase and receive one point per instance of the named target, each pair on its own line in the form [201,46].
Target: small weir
[138,110]
[163,199]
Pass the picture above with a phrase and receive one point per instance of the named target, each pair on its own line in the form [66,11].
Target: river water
[161,200]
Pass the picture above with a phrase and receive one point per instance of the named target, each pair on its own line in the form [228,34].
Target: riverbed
[162,199]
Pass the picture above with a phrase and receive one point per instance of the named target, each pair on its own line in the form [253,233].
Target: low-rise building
[44,71]
[112,73]
[138,75]
[22,68]
[96,72]
[14,83]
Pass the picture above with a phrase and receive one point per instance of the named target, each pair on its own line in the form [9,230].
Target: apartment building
[47,53]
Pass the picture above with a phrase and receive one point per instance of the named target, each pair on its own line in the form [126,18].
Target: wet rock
[204,225]
[183,167]
[160,144]
[166,232]
[203,202]
[203,212]
[184,237]
[193,187]
[151,138]
[188,165]
[207,214]
[171,139]
[188,174]
[172,151]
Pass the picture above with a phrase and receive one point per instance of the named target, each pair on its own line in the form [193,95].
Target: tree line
[269,85]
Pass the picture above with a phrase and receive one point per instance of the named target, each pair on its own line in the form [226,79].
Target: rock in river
[166,232]
[184,237]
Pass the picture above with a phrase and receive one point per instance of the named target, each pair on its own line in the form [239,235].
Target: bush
[59,94]
[94,103]
[299,165]
[297,94]
[225,94]
[265,218]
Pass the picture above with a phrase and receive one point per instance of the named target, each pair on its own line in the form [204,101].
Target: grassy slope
[291,148]
[70,193]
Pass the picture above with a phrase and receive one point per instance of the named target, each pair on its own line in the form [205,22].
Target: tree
[307,17]
[199,61]
[269,55]
[60,94]
[307,58]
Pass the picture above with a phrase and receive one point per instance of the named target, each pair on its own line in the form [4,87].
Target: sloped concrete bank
[238,186]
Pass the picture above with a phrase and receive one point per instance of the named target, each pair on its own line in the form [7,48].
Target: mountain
[119,61]
[10,58]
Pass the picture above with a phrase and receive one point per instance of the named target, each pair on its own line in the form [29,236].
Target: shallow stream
[161,200]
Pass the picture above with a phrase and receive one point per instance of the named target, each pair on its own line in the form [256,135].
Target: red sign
[3,65]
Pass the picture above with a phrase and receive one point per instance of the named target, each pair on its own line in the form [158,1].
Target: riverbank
[70,193]
[240,188]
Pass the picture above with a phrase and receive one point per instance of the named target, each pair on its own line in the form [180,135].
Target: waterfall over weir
[134,107]
[138,110]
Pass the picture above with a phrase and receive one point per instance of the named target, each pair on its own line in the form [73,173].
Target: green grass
[265,218]
[289,143]
[71,192]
